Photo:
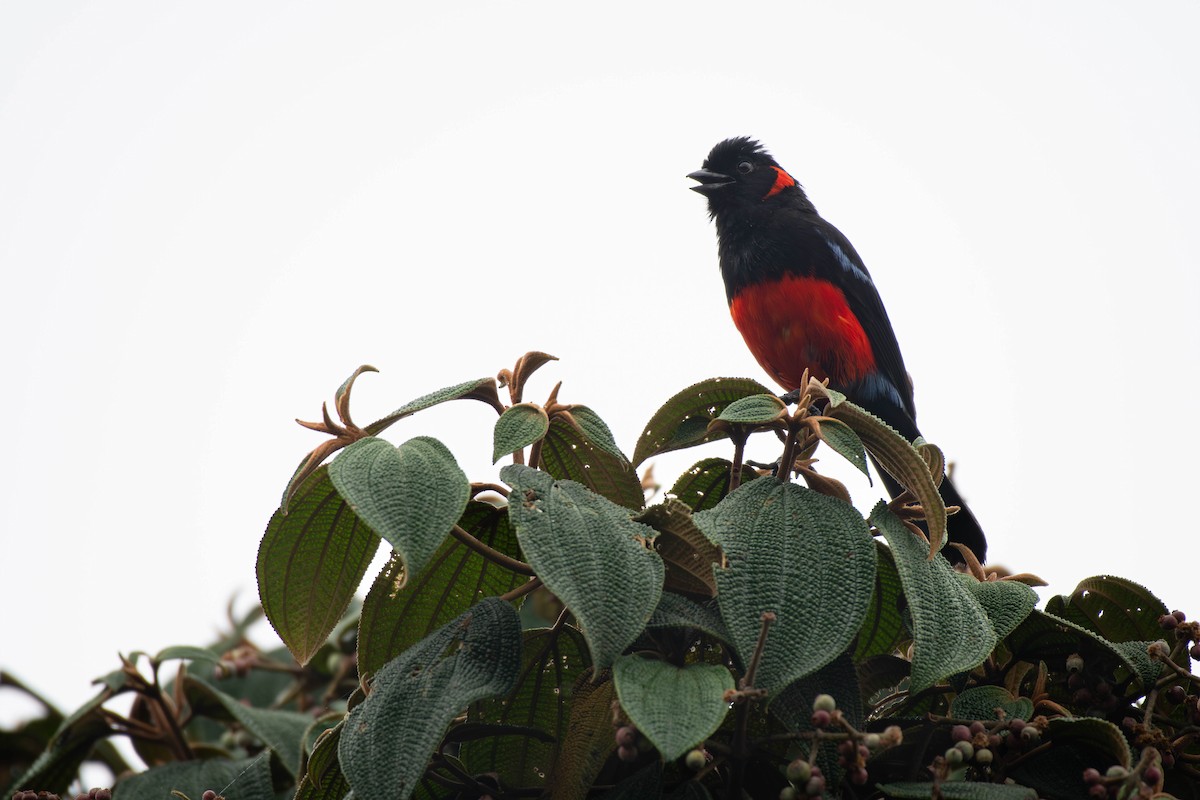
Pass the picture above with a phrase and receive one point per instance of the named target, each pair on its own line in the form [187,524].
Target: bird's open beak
[709,181]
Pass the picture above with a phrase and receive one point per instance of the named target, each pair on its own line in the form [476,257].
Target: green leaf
[388,738]
[70,746]
[845,442]
[310,563]
[281,731]
[794,705]
[902,461]
[1092,733]
[323,778]
[951,632]
[805,557]
[186,653]
[551,663]
[676,708]
[757,409]
[883,628]
[249,779]
[683,420]
[981,702]
[706,483]
[1115,608]
[1007,603]
[518,427]
[678,612]
[588,741]
[688,556]
[482,389]
[568,454]
[958,790]
[596,431]
[590,554]
[1045,637]
[397,614]
[410,495]
[1075,745]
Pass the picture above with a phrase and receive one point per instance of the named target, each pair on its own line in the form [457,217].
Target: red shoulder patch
[782,181]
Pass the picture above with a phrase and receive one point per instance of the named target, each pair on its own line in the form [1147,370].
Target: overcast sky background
[211,213]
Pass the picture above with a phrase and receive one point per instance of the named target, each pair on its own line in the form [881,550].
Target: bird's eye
[746,167]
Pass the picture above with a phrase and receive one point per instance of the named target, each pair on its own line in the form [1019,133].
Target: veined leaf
[388,738]
[482,389]
[683,420]
[951,632]
[281,731]
[757,409]
[676,708]
[687,554]
[310,563]
[248,779]
[707,482]
[398,613]
[518,427]
[590,554]
[1115,608]
[410,495]
[805,557]
[568,454]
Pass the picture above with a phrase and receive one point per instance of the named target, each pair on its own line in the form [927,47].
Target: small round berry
[799,771]
[891,736]
[101,794]
[966,748]
[821,718]
[1152,774]
[1168,622]
[788,793]
[953,756]
[864,752]
[983,756]
[815,786]
[1176,694]
[695,760]
[1082,698]
[1179,615]
[1075,681]
[1075,663]
[1091,776]
[977,728]
[1116,771]
[824,702]
[1030,733]
[872,741]
[960,733]
[626,736]
[627,754]
[209,794]
[1098,792]
[858,776]
[994,741]
[1194,652]
[1168,760]
[1129,723]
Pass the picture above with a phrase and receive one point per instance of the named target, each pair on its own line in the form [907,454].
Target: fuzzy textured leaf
[845,442]
[981,702]
[706,483]
[590,554]
[588,740]
[683,420]
[675,708]
[958,790]
[518,427]
[568,454]
[757,409]
[397,614]
[678,612]
[687,554]
[883,628]
[281,731]
[482,389]
[249,779]
[552,661]
[596,431]
[1115,608]
[805,557]
[310,563]
[410,495]
[1007,603]
[388,738]
[902,461]
[323,778]
[951,631]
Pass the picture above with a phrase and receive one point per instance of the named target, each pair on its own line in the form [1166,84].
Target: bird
[803,300]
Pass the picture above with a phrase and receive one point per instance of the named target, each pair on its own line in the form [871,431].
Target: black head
[741,171]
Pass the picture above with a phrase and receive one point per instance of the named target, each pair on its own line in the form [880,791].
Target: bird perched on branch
[803,299]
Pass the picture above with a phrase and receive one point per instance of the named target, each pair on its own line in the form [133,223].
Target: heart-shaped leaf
[675,707]
[683,420]
[590,554]
[518,427]
[410,495]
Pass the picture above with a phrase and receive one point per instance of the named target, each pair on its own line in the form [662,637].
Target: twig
[491,554]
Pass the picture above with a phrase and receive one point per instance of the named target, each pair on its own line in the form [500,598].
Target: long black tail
[962,527]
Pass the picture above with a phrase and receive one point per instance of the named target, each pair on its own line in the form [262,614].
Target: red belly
[798,323]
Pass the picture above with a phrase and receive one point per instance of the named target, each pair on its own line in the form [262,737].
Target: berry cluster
[1092,695]
[94,794]
[1184,631]
[853,750]
[1145,780]
[627,743]
[209,794]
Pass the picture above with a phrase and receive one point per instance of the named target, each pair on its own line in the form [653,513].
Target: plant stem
[522,590]
[491,554]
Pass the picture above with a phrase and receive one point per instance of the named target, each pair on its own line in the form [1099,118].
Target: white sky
[211,213]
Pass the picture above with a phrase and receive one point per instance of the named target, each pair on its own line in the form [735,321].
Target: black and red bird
[802,298]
